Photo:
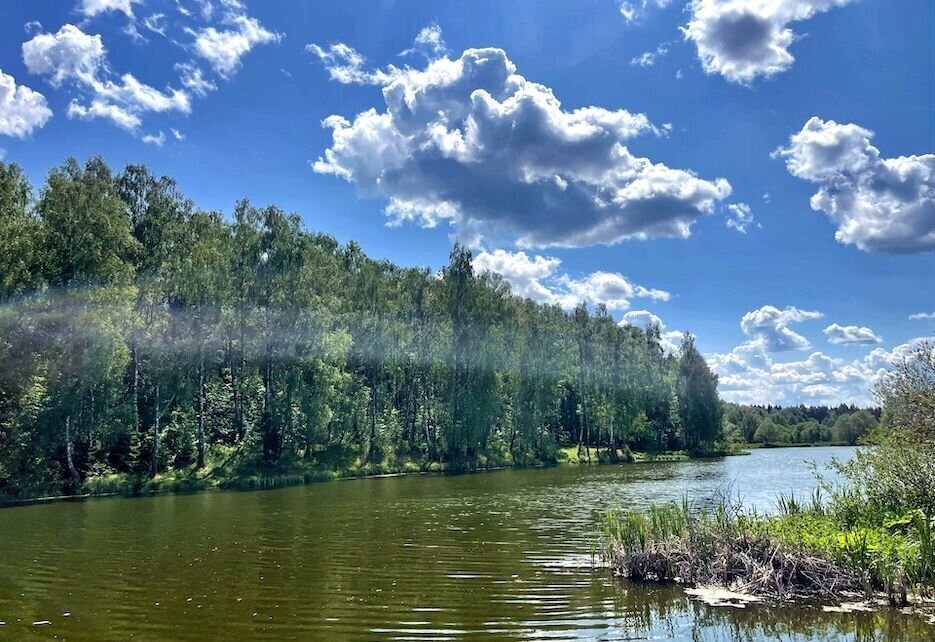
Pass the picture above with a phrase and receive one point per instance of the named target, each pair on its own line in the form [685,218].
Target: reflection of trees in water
[665,609]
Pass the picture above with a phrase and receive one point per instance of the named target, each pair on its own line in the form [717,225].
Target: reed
[803,551]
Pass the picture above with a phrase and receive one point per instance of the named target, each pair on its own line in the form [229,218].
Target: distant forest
[775,425]
[141,335]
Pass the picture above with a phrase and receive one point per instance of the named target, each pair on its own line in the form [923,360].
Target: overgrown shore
[804,551]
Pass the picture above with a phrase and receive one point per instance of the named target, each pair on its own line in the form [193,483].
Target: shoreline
[189,484]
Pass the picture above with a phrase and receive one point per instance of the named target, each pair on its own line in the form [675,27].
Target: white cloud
[878,204]
[922,316]
[72,56]
[346,65]
[471,142]
[22,110]
[649,58]
[223,49]
[176,134]
[193,79]
[670,340]
[850,334]
[768,328]
[524,273]
[108,111]
[642,319]
[69,54]
[428,42]
[739,217]
[633,10]
[536,277]
[91,8]
[749,375]
[155,139]
[745,39]
[156,23]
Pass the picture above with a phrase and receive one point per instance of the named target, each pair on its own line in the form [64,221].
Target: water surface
[501,555]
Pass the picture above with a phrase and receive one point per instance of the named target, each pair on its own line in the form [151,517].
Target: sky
[760,173]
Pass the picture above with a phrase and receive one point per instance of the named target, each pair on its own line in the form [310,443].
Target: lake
[503,555]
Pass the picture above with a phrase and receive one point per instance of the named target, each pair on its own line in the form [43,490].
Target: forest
[145,341]
[844,425]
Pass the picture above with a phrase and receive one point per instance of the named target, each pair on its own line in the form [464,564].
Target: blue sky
[587,150]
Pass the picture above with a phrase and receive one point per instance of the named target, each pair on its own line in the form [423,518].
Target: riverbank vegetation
[147,344]
[872,533]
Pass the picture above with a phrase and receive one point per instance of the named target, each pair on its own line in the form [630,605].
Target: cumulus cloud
[74,57]
[850,334]
[223,49]
[22,110]
[67,55]
[471,142]
[878,204]
[670,340]
[922,316]
[537,278]
[633,10]
[749,375]
[739,217]
[768,328]
[746,39]
[524,273]
[642,319]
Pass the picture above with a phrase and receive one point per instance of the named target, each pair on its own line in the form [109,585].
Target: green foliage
[146,344]
[843,425]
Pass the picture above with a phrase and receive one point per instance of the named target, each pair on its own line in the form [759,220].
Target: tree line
[776,425]
[141,335]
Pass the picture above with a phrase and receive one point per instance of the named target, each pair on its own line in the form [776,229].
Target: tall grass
[804,549]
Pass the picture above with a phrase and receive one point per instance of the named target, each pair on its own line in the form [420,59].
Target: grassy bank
[813,550]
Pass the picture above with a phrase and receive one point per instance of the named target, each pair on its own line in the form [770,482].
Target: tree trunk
[373,415]
[426,417]
[135,385]
[239,424]
[69,453]
[154,461]
[201,408]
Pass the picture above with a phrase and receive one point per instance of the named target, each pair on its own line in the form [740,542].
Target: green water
[502,555]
